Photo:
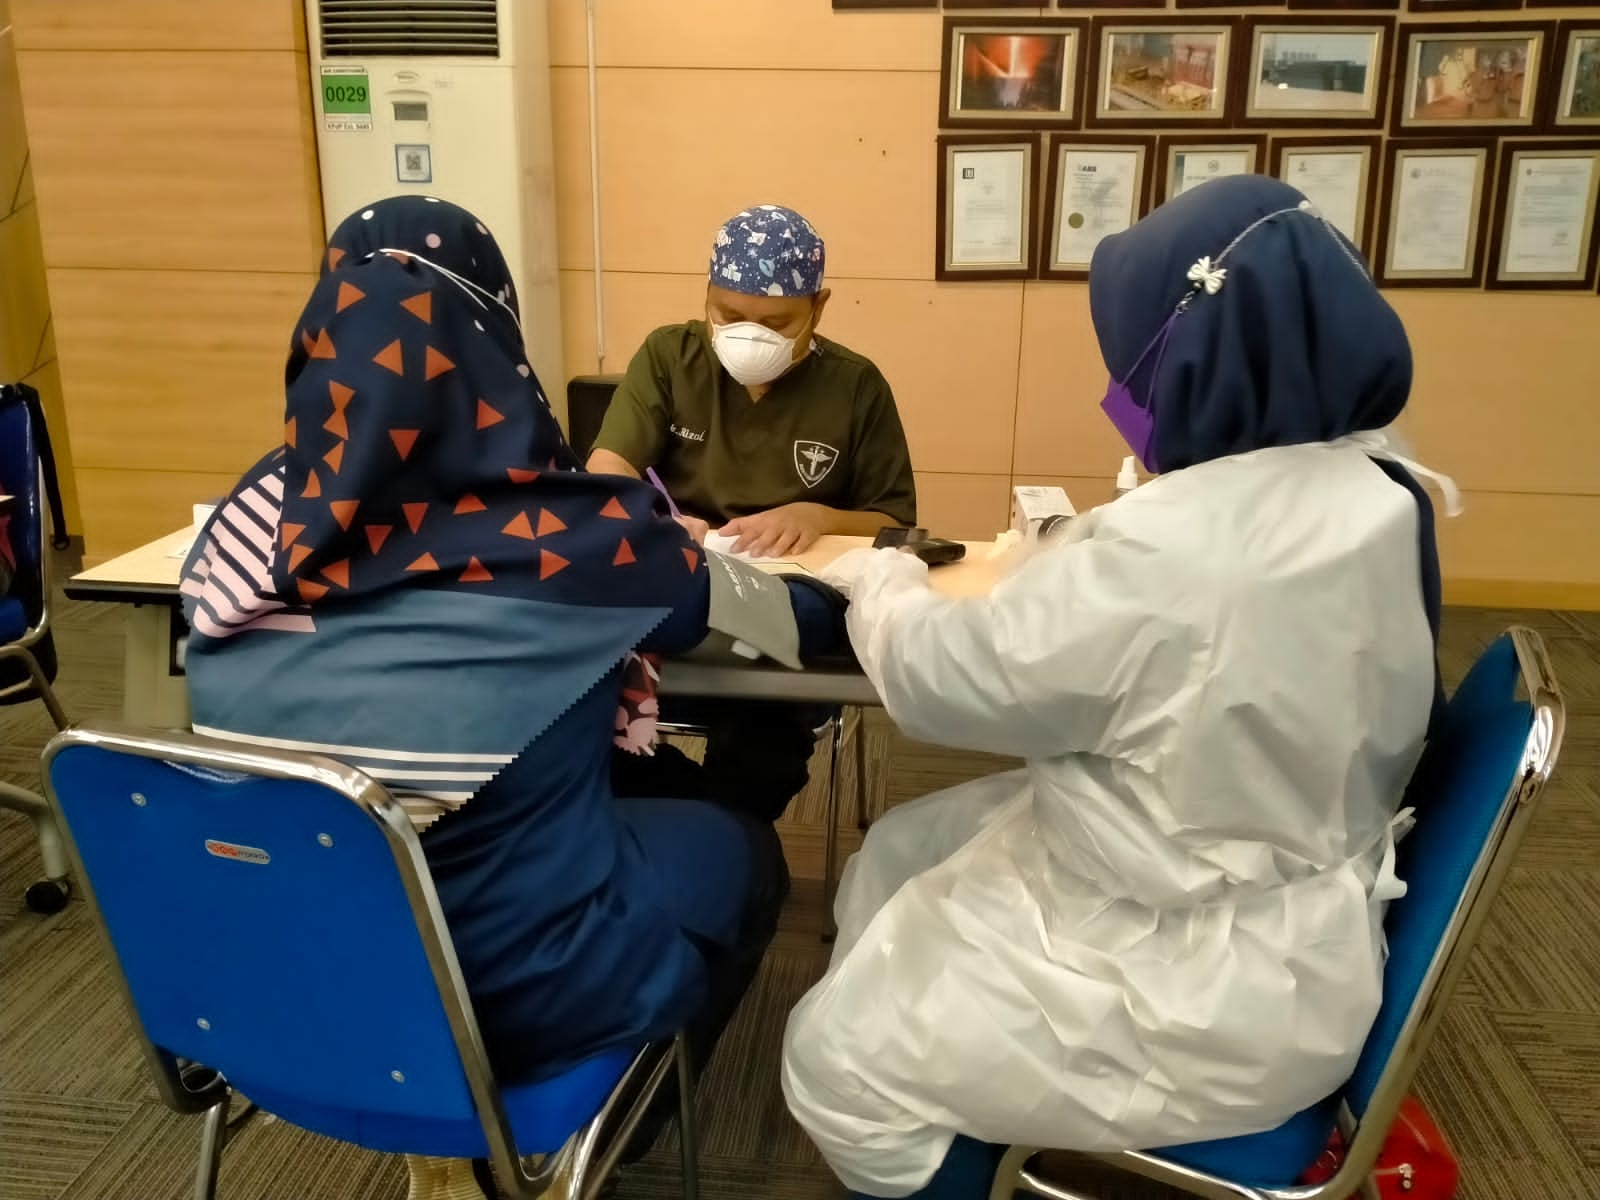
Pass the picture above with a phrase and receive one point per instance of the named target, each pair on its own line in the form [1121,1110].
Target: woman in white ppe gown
[1166,927]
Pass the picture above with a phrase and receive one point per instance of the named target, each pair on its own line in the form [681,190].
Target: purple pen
[655,482]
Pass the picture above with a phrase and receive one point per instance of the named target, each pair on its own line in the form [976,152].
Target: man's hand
[789,529]
[696,527]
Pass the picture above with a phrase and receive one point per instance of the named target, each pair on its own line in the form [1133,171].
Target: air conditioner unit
[447,98]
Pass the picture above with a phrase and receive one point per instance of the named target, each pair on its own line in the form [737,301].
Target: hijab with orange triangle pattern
[420,457]
[420,452]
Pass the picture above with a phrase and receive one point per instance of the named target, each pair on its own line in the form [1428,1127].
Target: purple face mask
[1134,421]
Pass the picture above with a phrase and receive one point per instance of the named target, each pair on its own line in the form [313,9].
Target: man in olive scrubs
[759,428]
[753,423]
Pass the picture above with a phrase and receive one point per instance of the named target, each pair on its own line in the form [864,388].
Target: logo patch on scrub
[813,461]
[238,853]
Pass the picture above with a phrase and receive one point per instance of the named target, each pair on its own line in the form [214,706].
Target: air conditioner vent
[409,28]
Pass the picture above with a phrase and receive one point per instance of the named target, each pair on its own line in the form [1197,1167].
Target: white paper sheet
[1433,221]
[1332,181]
[1097,189]
[1549,215]
[987,207]
[1191,168]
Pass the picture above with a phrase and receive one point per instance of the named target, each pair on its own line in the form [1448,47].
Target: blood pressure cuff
[750,609]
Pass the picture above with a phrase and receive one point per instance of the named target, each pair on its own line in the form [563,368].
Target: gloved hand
[848,570]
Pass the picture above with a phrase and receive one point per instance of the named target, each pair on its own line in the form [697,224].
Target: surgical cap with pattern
[768,250]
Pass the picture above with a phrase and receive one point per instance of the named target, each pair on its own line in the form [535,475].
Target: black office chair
[588,397]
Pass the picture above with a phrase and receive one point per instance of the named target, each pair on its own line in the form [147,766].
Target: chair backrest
[1474,794]
[273,918]
[588,397]
[19,477]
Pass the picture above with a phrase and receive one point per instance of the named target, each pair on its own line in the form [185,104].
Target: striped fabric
[230,578]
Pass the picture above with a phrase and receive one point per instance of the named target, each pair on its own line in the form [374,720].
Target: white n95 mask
[751,353]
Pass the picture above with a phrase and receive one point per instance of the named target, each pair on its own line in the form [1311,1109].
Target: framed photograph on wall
[1575,105]
[1337,174]
[1435,208]
[1545,216]
[1470,78]
[1095,185]
[1149,71]
[1185,162]
[1002,73]
[1455,6]
[987,218]
[1323,71]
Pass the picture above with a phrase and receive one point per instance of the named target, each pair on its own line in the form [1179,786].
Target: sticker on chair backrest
[237,853]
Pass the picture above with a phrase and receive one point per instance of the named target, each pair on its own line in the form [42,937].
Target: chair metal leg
[36,682]
[50,894]
[213,1137]
[1005,1175]
[864,816]
[830,845]
[688,1134]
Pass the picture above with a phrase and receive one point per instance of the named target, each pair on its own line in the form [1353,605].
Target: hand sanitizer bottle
[1128,477]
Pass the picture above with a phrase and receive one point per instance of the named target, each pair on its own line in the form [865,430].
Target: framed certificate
[987,215]
[1323,71]
[1433,214]
[1575,105]
[1185,162]
[1337,174]
[1159,71]
[1470,78]
[1095,186]
[1544,227]
[1010,72]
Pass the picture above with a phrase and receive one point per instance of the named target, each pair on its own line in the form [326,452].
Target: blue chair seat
[543,1115]
[13,620]
[1276,1158]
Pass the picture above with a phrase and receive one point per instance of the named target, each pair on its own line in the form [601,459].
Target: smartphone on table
[936,552]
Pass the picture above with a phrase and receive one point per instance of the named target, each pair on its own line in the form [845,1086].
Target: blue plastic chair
[27,653]
[1474,793]
[277,933]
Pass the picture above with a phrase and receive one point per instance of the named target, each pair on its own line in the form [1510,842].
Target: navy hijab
[1295,346]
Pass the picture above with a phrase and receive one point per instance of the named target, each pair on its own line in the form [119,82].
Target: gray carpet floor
[1512,1078]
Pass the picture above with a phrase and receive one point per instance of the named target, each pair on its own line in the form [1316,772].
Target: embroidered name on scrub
[688,435]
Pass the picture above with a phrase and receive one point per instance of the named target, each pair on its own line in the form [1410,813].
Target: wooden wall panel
[680,151]
[1507,392]
[175,370]
[1509,550]
[634,305]
[958,408]
[24,299]
[1060,429]
[772,34]
[165,160]
[159,25]
[127,508]
[971,507]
